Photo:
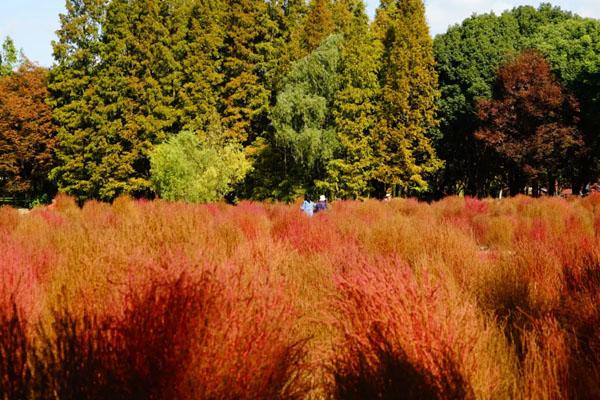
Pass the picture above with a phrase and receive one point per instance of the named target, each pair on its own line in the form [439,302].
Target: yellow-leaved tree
[409,90]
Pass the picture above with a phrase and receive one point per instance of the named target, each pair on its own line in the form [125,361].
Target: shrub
[398,339]
[16,376]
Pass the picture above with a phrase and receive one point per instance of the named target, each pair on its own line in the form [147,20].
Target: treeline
[550,134]
[270,99]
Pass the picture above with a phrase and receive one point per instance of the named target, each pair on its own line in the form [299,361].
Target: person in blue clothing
[308,206]
[321,204]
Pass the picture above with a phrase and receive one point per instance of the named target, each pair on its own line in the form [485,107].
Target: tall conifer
[350,172]
[73,94]
[248,32]
[319,24]
[409,90]
[138,85]
[201,65]
[124,80]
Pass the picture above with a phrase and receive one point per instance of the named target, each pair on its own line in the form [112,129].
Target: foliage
[370,299]
[248,46]
[27,133]
[196,170]
[468,56]
[74,101]
[531,122]
[304,137]
[571,48]
[9,57]
[350,172]
[319,24]
[409,89]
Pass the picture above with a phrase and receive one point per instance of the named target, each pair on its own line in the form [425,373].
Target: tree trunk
[551,185]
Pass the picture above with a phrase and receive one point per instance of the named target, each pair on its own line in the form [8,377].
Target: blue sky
[32,23]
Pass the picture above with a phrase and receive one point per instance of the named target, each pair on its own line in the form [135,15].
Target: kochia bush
[462,298]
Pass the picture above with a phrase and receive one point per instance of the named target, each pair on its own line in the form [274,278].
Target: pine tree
[289,16]
[344,15]
[126,79]
[137,87]
[409,90]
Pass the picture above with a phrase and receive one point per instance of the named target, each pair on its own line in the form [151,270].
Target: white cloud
[443,13]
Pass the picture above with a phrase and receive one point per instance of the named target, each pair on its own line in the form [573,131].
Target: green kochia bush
[196,170]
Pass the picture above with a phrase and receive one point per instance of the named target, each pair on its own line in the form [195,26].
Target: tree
[27,134]
[468,56]
[136,89]
[571,47]
[350,172]
[73,97]
[302,117]
[319,24]
[531,122]
[9,57]
[289,160]
[202,76]
[116,93]
[198,170]
[247,47]
[289,17]
[409,91]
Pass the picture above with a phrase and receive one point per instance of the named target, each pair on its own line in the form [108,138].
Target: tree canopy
[468,57]
[198,170]
[318,98]
[531,122]
[27,133]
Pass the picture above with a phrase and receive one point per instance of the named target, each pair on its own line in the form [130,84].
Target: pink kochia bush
[459,299]
[399,337]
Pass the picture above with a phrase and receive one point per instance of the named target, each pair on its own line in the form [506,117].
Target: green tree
[409,90]
[350,172]
[247,47]
[288,16]
[74,96]
[9,57]
[468,56]
[116,93]
[193,169]
[295,155]
[572,47]
[202,78]
[137,89]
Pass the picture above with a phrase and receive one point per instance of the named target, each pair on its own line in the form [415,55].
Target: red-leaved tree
[531,121]
[27,134]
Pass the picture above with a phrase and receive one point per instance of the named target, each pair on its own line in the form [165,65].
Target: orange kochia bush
[462,298]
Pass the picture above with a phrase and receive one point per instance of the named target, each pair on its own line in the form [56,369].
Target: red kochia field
[460,299]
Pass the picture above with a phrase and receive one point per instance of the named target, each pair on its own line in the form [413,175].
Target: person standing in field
[308,206]
[321,204]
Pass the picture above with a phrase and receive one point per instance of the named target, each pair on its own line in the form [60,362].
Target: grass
[464,298]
